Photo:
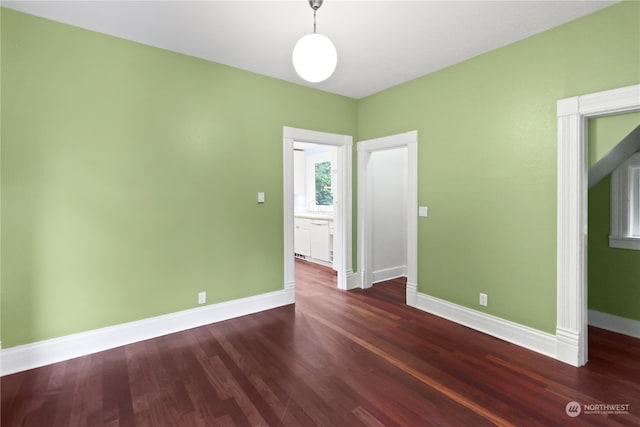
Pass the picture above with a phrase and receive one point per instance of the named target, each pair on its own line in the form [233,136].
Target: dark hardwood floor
[393,291]
[334,359]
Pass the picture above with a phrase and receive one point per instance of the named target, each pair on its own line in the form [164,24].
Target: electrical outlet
[484,299]
[202,297]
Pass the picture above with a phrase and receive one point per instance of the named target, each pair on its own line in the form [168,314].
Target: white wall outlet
[423,211]
[484,299]
[202,297]
[261,197]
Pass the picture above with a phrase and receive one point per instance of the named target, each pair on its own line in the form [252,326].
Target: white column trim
[289,266]
[412,219]
[573,113]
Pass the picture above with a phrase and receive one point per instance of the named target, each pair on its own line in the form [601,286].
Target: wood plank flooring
[393,291]
[358,358]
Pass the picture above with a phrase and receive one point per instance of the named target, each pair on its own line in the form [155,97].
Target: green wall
[614,274]
[129,173]
[130,176]
[487,158]
[606,132]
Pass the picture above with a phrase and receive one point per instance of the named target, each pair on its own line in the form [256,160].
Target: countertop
[314,215]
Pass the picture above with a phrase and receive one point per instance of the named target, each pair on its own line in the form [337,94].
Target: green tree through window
[324,195]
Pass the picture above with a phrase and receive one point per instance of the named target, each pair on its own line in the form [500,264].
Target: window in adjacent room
[625,205]
[324,194]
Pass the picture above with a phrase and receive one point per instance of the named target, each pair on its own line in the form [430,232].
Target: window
[634,194]
[324,194]
[625,205]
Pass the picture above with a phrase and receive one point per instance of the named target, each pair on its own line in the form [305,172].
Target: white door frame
[573,173]
[342,203]
[365,250]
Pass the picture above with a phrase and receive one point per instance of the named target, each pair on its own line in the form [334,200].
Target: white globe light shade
[315,57]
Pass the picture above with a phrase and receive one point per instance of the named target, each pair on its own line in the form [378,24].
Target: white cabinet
[320,240]
[302,240]
[313,239]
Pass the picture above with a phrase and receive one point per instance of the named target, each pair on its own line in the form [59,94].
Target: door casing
[365,251]
[342,205]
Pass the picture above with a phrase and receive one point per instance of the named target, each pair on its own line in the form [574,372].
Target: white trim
[624,205]
[315,137]
[389,142]
[616,197]
[365,148]
[573,113]
[353,280]
[568,346]
[624,242]
[389,273]
[614,323]
[342,204]
[412,294]
[29,356]
[609,102]
[515,333]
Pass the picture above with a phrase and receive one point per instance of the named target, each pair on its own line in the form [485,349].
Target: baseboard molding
[41,353]
[569,346]
[354,280]
[614,323]
[412,295]
[388,273]
[512,332]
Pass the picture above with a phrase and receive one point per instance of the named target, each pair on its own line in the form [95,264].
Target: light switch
[423,211]
[260,197]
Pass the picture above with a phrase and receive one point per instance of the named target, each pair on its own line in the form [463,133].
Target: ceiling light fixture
[314,56]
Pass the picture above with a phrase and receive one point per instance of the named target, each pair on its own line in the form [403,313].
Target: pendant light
[314,56]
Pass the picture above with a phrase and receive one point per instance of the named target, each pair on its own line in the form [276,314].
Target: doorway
[368,152]
[341,198]
[573,113]
[315,182]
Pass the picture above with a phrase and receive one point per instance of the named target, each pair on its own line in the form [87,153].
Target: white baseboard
[614,323]
[28,356]
[412,294]
[512,332]
[354,280]
[569,347]
[389,273]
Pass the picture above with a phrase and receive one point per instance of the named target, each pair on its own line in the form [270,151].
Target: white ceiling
[380,43]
